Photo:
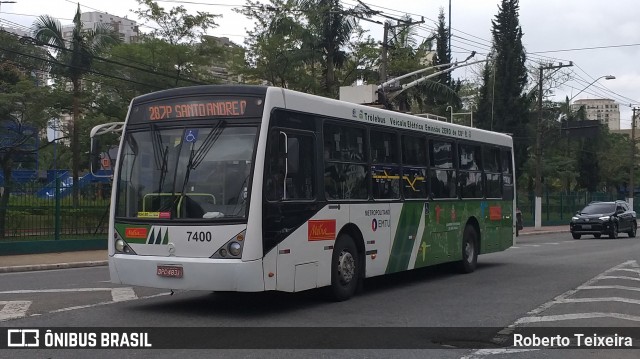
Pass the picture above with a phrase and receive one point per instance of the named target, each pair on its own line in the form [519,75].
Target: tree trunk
[75,145]
[4,197]
[330,77]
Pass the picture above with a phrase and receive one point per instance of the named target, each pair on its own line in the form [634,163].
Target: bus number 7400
[199,236]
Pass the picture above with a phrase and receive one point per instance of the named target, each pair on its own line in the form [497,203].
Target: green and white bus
[250,188]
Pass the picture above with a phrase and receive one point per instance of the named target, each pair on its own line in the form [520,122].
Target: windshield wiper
[197,156]
[160,155]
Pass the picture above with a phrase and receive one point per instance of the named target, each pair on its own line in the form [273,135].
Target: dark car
[599,218]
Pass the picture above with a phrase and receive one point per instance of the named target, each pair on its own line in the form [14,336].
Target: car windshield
[186,172]
[599,208]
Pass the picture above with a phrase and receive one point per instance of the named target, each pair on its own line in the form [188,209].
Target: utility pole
[385,48]
[538,201]
[385,45]
[633,157]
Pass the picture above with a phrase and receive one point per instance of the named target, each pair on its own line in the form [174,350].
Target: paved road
[545,280]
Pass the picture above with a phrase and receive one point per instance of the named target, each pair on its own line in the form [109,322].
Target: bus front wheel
[469,250]
[345,268]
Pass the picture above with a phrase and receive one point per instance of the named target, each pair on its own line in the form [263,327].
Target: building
[220,65]
[127,29]
[606,111]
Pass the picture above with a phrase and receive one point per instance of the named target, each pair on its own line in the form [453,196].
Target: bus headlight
[120,245]
[234,248]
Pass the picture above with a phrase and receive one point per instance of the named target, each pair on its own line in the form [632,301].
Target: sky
[599,37]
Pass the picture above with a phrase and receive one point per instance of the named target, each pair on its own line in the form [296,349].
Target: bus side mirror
[99,156]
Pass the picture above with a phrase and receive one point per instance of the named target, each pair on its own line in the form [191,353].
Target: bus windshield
[185,172]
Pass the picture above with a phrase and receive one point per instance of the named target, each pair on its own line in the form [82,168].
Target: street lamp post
[606,77]
[538,182]
[632,190]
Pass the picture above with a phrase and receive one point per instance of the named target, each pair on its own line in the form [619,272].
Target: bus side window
[507,175]
[274,168]
[289,174]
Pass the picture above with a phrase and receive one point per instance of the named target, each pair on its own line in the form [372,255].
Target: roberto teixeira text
[577,340]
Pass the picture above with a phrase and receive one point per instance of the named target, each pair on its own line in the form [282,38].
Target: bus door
[290,189]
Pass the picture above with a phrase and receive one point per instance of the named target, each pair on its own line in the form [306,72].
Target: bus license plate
[170,271]
[586,226]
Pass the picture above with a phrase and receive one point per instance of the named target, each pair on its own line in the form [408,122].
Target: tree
[443,52]
[72,61]
[180,34]
[23,112]
[280,49]
[503,104]
[442,99]
[332,27]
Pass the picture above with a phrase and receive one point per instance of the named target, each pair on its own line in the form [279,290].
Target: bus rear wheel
[345,268]
[469,250]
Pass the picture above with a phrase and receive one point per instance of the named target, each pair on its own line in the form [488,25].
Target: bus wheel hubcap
[468,251]
[346,267]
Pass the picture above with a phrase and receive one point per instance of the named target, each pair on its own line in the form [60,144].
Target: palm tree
[72,60]
[333,26]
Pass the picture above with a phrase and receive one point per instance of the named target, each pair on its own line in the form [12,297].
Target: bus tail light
[231,249]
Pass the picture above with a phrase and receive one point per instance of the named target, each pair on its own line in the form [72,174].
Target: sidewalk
[42,261]
[526,231]
[35,262]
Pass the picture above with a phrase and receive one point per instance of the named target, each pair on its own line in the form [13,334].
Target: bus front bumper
[197,273]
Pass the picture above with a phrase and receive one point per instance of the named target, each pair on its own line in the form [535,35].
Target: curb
[542,232]
[38,267]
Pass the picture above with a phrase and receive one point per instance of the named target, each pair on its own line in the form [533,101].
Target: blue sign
[191,135]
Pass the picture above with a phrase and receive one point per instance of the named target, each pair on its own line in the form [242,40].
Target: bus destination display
[201,107]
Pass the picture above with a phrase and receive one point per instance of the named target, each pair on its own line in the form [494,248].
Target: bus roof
[299,101]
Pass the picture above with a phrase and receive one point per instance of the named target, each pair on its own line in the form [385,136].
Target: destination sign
[198,107]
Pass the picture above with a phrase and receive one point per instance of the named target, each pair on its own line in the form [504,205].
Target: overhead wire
[482,47]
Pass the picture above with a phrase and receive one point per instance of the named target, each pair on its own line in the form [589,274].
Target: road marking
[533,315]
[123,294]
[636,289]
[118,294]
[531,245]
[103,303]
[556,243]
[605,299]
[30,291]
[573,316]
[14,309]
[619,277]
[630,270]
[483,352]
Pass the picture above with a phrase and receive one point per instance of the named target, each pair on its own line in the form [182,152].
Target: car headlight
[574,218]
[605,218]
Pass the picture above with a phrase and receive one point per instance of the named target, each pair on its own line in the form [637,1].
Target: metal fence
[41,212]
[558,208]
[37,212]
